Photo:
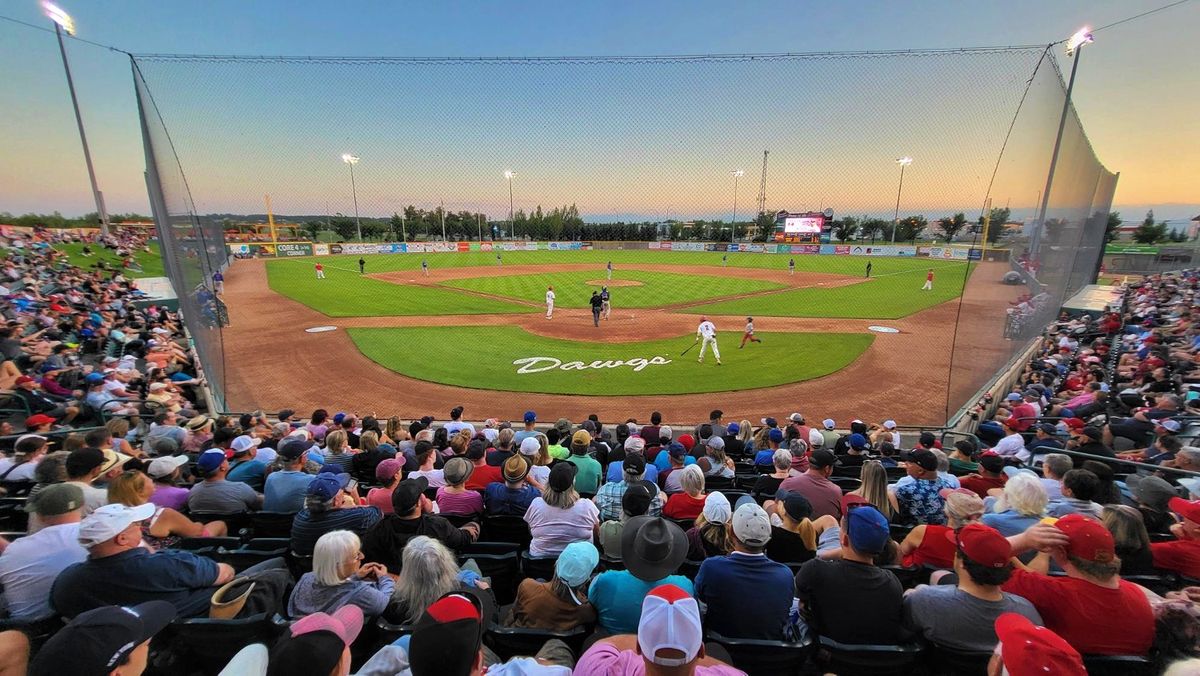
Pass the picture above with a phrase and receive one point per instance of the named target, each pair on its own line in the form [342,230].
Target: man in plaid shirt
[608,499]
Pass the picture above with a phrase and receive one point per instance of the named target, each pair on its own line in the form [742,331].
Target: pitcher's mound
[613,282]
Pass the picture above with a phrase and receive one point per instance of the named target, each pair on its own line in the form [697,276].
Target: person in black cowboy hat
[652,549]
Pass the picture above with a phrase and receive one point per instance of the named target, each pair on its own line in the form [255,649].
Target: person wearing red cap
[1183,554]
[38,401]
[1029,650]
[962,616]
[1092,607]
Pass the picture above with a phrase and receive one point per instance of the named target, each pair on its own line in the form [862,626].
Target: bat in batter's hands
[689,347]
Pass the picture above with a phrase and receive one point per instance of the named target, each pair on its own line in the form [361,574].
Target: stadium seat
[505,529]
[38,631]
[1159,584]
[13,516]
[611,563]
[685,524]
[272,524]
[205,646]
[509,642]
[847,484]
[867,660]
[197,544]
[236,521]
[537,568]
[1119,665]
[16,489]
[759,657]
[943,661]
[712,483]
[498,561]
[689,569]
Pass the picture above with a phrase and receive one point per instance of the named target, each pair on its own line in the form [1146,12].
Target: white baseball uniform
[708,333]
[549,303]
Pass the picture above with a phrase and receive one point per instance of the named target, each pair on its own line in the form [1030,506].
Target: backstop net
[728,185]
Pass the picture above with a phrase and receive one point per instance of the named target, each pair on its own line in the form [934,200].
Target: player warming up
[549,302]
[749,334]
[708,333]
[424,267]
[605,302]
[320,271]
[928,281]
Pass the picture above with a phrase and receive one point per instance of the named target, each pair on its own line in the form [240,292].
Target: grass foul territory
[490,359]
[152,265]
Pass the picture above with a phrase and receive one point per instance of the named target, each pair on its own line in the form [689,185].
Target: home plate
[880,329]
[320,329]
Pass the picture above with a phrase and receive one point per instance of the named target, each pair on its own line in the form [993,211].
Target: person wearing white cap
[829,432]
[119,571]
[244,466]
[537,451]
[165,472]
[669,640]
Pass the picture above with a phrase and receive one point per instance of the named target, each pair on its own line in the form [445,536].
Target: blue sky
[1136,94]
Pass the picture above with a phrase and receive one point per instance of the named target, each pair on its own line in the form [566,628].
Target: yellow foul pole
[270,218]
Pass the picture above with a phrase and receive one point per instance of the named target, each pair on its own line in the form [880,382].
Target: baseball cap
[515,469]
[991,461]
[717,443]
[530,416]
[634,464]
[90,379]
[889,424]
[407,494]
[716,508]
[1048,428]
[1027,649]
[581,439]
[292,448]
[447,637]
[285,414]
[456,470]
[576,562]
[55,500]
[635,444]
[1088,538]
[108,521]
[796,418]
[1152,490]
[797,506]
[867,529]
[332,468]
[1093,433]
[316,642]
[530,446]
[84,460]
[751,525]
[923,457]
[821,458]
[733,428]
[387,470]
[1169,424]
[637,497]
[244,443]
[828,423]
[1192,484]
[1013,396]
[210,460]
[665,432]
[326,485]
[1188,509]
[676,450]
[339,417]
[37,420]
[670,621]
[97,641]
[775,435]
[164,466]
[858,442]
[982,544]
[562,476]
[770,422]
[687,440]
[815,438]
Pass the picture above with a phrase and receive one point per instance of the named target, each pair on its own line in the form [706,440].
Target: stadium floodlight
[64,22]
[737,173]
[352,160]
[508,174]
[903,162]
[1081,37]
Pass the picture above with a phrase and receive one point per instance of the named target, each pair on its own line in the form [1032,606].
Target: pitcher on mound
[708,333]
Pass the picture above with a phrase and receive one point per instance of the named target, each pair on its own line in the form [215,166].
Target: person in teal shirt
[589,471]
[652,549]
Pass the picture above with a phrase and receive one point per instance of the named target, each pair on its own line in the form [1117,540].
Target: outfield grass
[571,289]
[152,265]
[345,293]
[890,297]
[478,358]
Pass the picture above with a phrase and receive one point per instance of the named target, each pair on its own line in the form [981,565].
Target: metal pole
[733,226]
[512,225]
[354,193]
[442,210]
[479,220]
[896,217]
[1039,225]
[87,155]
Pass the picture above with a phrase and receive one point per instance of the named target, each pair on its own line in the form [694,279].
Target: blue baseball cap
[858,442]
[868,529]
[326,485]
[576,563]
[338,418]
[93,378]
[210,460]
[733,428]
[775,434]
[332,468]
[530,416]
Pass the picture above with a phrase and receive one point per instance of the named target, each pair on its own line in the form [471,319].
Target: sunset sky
[620,140]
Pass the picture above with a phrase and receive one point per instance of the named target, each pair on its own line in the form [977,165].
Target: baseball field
[474,331]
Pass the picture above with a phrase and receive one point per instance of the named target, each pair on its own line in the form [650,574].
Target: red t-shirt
[482,476]
[982,484]
[929,276]
[1181,556]
[1094,620]
[935,549]
[683,506]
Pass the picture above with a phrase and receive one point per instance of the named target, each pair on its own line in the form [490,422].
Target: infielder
[605,302]
[791,266]
[320,271]
[610,269]
[549,302]
[749,334]
[708,333]
[868,269]
[362,266]
[499,262]
[928,281]
[724,260]
[424,267]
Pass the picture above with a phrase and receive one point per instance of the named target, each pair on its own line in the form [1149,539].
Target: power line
[68,35]
[1138,16]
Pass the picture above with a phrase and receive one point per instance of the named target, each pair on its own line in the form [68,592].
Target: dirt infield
[271,363]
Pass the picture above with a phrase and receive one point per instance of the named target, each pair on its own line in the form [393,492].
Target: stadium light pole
[1075,45]
[903,162]
[512,226]
[64,22]
[353,160]
[737,173]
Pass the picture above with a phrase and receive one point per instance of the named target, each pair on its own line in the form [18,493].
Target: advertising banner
[975,254]
[293,249]
[463,247]
[687,246]
[486,246]
[564,246]
[754,248]
[842,250]
[805,249]
[1130,249]
[320,249]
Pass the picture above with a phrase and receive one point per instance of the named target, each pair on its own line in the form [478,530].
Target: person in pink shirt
[455,499]
[389,473]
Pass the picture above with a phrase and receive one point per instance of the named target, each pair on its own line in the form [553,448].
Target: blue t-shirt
[662,461]
[617,596]
[616,472]
[765,457]
[1009,522]
[136,576]
[285,491]
[500,500]
[747,596]
[249,472]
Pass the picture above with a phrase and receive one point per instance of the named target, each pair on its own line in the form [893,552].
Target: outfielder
[708,333]
[749,334]
[549,302]
[425,267]
[928,281]
[605,302]
[320,271]
[610,269]
[791,266]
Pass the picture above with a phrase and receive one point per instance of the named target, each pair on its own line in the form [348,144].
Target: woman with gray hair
[768,484]
[340,578]
[689,503]
[429,571]
[1022,504]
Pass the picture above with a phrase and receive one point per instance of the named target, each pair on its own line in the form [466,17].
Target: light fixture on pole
[64,22]
[353,160]
[903,162]
[737,173]
[508,174]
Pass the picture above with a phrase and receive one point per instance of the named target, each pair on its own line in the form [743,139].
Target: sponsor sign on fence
[293,249]
[320,249]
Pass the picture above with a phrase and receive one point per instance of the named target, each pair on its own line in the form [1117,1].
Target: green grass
[891,297]
[482,358]
[345,293]
[152,265]
[572,289]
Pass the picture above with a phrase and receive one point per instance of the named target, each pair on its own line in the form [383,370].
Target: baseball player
[596,304]
[868,269]
[320,271]
[791,266]
[749,334]
[610,269]
[928,281]
[724,260]
[362,266]
[605,302]
[549,302]
[708,333]
[499,261]
[424,267]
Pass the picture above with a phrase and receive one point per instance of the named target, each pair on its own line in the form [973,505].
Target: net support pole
[1062,123]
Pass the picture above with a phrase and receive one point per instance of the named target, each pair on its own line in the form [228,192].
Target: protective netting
[612,156]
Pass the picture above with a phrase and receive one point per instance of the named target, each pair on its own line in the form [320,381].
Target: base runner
[549,302]
[708,333]
[749,334]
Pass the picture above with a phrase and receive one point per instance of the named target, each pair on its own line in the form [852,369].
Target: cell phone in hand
[353,485]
